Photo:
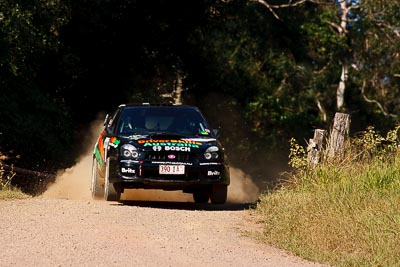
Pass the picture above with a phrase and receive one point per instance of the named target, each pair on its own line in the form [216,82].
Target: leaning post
[315,147]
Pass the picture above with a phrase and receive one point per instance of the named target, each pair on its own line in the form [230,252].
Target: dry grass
[12,193]
[7,190]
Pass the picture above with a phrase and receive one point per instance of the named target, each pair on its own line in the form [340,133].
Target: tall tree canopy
[352,52]
[34,121]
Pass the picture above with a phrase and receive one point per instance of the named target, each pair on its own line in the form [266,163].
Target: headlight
[129,151]
[211,153]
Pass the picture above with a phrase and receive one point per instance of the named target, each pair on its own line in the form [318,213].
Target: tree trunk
[344,9]
[178,90]
[339,134]
[342,86]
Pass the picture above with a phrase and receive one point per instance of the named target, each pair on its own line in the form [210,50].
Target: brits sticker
[213,173]
[127,170]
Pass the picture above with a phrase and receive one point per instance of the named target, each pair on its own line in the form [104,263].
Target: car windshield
[184,121]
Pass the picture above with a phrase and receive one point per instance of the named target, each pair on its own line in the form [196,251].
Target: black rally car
[169,147]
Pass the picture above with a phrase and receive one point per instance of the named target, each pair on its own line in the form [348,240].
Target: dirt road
[62,232]
[65,227]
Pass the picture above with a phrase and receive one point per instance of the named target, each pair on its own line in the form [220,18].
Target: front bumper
[145,174]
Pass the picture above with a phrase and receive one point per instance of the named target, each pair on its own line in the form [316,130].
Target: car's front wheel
[95,187]
[201,196]
[112,192]
[219,194]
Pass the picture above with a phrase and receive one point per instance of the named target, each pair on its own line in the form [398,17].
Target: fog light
[129,151]
[211,153]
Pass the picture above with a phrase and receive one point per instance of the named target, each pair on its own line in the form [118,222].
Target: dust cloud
[242,188]
[74,183]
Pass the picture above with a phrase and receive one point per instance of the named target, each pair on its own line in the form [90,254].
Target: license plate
[172,169]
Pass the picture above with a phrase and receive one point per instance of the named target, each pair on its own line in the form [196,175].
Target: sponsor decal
[127,170]
[171,143]
[105,147]
[172,156]
[213,173]
[201,140]
[177,148]
[137,136]
[157,148]
[114,142]
[100,143]
[129,161]
[172,148]
[209,163]
[98,157]
[172,163]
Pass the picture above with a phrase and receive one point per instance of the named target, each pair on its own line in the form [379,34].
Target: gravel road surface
[65,227]
[65,232]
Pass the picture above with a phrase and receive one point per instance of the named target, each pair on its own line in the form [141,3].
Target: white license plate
[172,169]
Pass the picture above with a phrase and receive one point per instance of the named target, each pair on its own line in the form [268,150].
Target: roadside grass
[7,190]
[12,193]
[343,213]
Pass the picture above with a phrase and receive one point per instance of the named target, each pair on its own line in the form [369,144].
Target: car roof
[156,105]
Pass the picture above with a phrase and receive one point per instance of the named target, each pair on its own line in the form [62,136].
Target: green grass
[343,214]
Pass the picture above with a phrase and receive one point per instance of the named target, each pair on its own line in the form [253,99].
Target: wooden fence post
[339,134]
[315,147]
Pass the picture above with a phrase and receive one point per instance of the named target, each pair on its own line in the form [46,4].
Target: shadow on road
[188,205]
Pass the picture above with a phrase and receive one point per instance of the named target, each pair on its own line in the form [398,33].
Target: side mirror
[215,132]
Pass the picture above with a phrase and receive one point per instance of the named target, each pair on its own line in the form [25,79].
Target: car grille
[166,156]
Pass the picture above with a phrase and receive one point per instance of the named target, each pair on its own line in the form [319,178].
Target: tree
[360,36]
[33,117]
[376,61]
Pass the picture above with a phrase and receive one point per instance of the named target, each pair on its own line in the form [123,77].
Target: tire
[201,197]
[111,191]
[219,194]
[95,187]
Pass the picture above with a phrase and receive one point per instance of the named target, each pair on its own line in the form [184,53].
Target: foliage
[246,54]
[371,144]
[5,176]
[27,30]
[34,123]
[375,45]
[7,190]
[297,156]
